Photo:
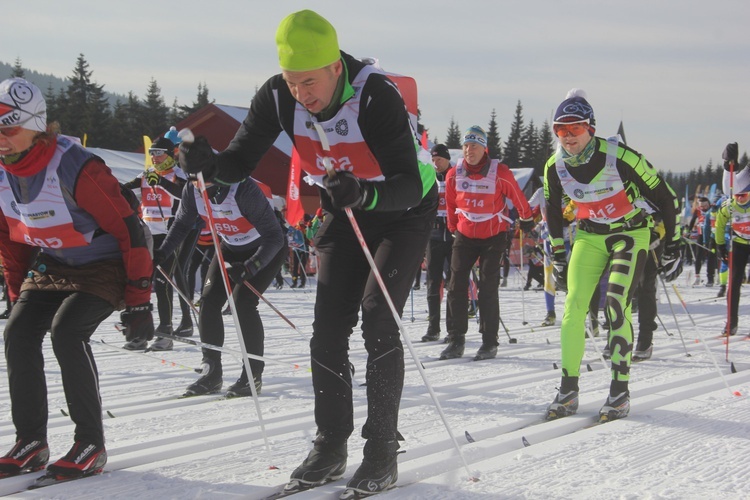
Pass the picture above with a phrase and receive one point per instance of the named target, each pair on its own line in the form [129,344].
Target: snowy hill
[687,435]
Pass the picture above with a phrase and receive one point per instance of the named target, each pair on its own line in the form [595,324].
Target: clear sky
[675,72]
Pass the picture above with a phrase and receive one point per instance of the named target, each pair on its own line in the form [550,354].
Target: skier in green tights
[611,184]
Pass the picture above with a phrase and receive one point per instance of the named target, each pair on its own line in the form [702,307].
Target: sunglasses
[574,129]
[742,198]
[10,131]
[157,152]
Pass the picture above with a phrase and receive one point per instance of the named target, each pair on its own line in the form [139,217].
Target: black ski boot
[210,381]
[325,462]
[27,455]
[455,348]
[185,329]
[431,335]
[486,351]
[241,388]
[378,471]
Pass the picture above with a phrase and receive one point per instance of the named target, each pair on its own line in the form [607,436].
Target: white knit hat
[22,104]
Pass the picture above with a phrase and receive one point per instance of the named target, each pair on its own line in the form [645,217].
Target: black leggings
[346,284]
[214,297]
[71,317]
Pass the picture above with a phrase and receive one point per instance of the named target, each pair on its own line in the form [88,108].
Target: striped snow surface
[687,435]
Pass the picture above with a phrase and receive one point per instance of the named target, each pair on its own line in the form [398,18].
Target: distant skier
[252,242]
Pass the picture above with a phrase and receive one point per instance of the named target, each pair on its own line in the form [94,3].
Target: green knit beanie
[306,41]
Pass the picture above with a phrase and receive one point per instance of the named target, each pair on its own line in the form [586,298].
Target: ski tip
[468,436]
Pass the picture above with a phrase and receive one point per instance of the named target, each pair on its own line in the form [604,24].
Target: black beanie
[441,150]
[164,143]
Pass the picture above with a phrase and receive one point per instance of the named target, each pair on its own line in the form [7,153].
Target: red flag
[424,139]
[294,209]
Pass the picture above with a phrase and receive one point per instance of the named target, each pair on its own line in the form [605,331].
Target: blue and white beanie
[575,108]
[475,134]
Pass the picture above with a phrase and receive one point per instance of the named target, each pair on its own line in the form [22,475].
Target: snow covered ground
[688,435]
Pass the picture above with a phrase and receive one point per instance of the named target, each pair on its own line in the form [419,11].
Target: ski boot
[326,462]
[642,354]
[210,381]
[27,455]
[378,471]
[242,389]
[431,335]
[550,320]
[615,407]
[732,331]
[136,345]
[486,351]
[83,459]
[185,329]
[722,291]
[564,405]
[455,348]
[162,343]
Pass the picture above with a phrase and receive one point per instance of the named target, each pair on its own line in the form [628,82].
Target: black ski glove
[526,225]
[138,322]
[159,257]
[723,252]
[730,155]
[346,190]
[242,271]
[198,157]
[671,261]
[560,270]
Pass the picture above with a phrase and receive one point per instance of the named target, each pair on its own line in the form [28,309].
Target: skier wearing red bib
[74,251]
[610,184]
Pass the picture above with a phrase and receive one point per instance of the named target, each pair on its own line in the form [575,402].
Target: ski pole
[670,334]
[162,360]
[669,301]
[520,267]
[387,296]
[700,336]
[187,137]
[730,279]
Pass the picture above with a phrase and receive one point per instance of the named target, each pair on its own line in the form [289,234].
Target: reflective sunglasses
[742,198]
[157,151]
[11,131]
[574,129]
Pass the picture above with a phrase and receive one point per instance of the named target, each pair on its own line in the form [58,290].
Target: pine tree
[201,101]
[18,71]
[85,112]
[453,140]
[154,112]
[126,132]
[529,146]
[493,138]
[513,144]
[545,147]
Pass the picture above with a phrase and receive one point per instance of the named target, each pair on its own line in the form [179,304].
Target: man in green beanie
[349,124]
